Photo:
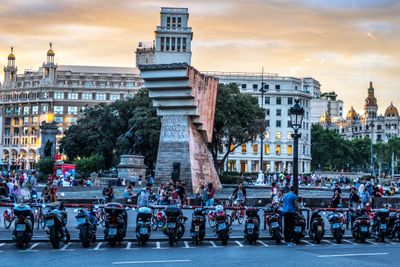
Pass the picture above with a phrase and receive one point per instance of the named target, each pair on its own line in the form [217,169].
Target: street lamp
[372,125]
[263,90]
[296,120]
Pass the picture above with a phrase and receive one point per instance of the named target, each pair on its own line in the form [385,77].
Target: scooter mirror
[127,208]
[43,205]
[76,210]
[96,206]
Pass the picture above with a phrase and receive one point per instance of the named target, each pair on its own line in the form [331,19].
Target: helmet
[219,208]
[198,211]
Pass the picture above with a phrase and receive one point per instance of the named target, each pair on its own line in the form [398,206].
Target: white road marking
[128,246]
[329,242]
[353,255]
[350,242]
[239,244]
[144,262]
[187,244]
[158,246]
[309,243]
[262,243]
[213,244]
[31,248]
[373,243]
[392,243]
[97,247]
[66,246]
[1,244]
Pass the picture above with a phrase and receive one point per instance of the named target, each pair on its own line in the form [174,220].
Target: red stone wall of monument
[202,165]
[205,97]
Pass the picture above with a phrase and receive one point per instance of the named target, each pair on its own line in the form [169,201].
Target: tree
[238,120]
[86,165]
[96,133]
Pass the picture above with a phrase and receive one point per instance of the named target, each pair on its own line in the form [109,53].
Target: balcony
[174,29]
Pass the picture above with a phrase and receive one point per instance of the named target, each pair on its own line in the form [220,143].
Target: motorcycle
[198,227]
[317,228]
[8,218]
[222,224]
[272,218]
[116,223]
[252,225]
[394,226]
[87,225]
[337,226]
[379,224]
[143,225]
[158,220]
[299,227]
[360,227]
[24,222]
[175,224]
[56,222]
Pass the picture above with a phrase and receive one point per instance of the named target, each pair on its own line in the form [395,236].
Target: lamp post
[296,120]
[263,90]
[372,147]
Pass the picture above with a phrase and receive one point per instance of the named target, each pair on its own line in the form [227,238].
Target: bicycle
[8,218]
[235,215]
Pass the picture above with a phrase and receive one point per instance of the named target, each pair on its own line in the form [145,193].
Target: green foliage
[96,133]
[238,120]
[45,167]
[86,165]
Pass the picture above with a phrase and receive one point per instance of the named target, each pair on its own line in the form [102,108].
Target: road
[209,253]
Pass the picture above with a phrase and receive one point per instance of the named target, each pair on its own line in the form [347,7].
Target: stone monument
[48,132]
[132,163]
[185,99]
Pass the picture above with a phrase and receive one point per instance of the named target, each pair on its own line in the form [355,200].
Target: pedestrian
[274,190]
[210,195]
[199,191]
[128,193]
[108,193]
[366,197]
[289,202]
[144,195]
[180,190]
[132,180]
[204,197]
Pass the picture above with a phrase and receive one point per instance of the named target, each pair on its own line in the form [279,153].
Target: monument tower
[185,99]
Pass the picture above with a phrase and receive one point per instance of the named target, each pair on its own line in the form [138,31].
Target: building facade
[326,106]
[53,93]
[172,42]
[378,128]
[278,143]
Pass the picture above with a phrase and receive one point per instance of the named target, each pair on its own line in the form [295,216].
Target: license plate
[160,224]
[364,229]
[336,225]
[112,231]
[144,231]
[50,223]
[297,229]
[197,228]
[171,225]
[20,227]
[250,226]
[222,226]
[383,226]
[274,224]
[319,228]
[81,220]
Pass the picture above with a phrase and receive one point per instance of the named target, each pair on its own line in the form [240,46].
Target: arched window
[289,150]
[244,148]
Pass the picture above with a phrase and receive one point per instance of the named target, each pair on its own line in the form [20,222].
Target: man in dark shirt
[180,190]
[354,198]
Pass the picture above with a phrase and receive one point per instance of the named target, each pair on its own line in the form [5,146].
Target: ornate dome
[391,111]
[51,53]
[11,55]
[351,114]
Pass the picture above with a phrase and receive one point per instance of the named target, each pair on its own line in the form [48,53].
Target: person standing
[289,211]
[210,195]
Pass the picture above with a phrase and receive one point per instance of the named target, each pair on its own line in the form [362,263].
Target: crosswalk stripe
[240,244]
[97,247]
[262,243]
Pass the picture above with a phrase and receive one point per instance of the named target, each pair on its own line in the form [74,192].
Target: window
[232,148]
[26,120]
[244,149]
[266,123]
[114,97]
[255,148]
[17,111]
[45,109]
[278,123]
[179,22]
[58,119]
[71,119]
[88,84]
[178,44]
[290,101]
[289,124]
[279,101]
[34,120]
[58,109]
[7,121]
[267,101]
[244,86]
[184,44]
[35,110]
[173,22]
[278,112]
[100,97]
[73,96]
[278,135]
[72,110]
[278,149]
[267,112]
[173,39]
[277,87]
[162,43]
[266,135]
[59,95]
[168,22]
[255,87]
[167,43]
[289,136]
[26,110]
[266,149]
[87,96]
[289,150]
[8,111]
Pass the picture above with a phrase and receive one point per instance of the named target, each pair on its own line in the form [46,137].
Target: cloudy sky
[342,43]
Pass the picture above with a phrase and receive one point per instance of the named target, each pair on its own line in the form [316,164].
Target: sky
[342,43]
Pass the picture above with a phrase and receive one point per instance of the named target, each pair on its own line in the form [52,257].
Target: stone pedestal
[48,132]
[131,165]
